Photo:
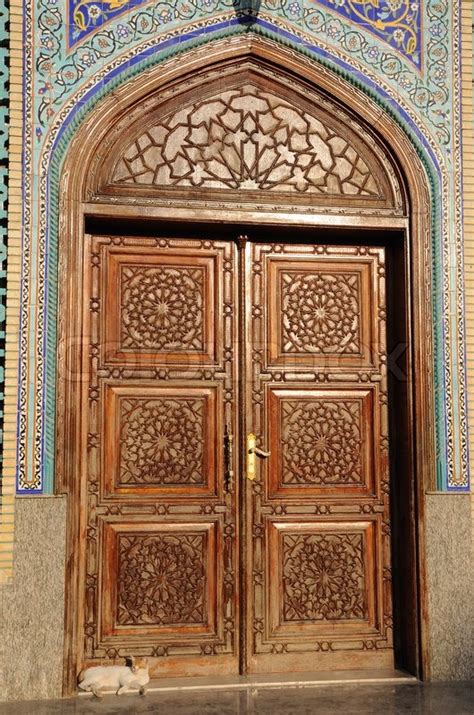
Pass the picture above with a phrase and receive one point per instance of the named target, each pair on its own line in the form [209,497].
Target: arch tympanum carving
[251,136]
[246,139]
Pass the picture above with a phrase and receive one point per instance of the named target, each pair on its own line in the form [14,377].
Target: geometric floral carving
[320,312]
[323,577]
[321,441]
[161,579]
[162,307]
[246,139]
[161,440]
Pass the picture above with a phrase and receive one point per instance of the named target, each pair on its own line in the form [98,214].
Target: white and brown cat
[121,678]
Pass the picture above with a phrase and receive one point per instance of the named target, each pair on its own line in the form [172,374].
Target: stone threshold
[273,680]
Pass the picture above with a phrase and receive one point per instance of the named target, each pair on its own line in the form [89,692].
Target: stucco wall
[450,581]
[32,606]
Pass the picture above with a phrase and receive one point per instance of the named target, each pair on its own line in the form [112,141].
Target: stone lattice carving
[161,579]
[321,442]
[162,308]
[323,577]
[161,441]
[250,139]
[320,312]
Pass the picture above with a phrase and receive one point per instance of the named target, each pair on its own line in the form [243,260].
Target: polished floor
[433,698]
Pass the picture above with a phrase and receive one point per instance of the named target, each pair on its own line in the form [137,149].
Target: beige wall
[32,607]
[450,584]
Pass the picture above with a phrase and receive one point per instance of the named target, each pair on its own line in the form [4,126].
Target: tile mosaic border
[434,143]
[15,127]
[4,91]
[310,50]
[467,74]
[6,507]
[399,24]
[468,131]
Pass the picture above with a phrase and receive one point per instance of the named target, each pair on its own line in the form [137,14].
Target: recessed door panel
[319,312]
[322,441]
[326,584]
[161,307]
[160,581]
[162,440]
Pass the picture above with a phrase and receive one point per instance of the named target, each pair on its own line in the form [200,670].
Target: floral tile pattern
[404,55]
[397,22]
[86,16]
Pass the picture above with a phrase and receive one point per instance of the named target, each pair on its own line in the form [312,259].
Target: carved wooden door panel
[317,514]
[164,331]
[160,568]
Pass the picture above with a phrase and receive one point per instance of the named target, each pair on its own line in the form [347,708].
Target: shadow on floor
[432,698]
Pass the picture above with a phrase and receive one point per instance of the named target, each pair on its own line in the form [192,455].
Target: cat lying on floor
[122,678]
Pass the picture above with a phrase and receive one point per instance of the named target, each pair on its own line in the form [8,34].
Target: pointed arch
[105,173]
[249,131]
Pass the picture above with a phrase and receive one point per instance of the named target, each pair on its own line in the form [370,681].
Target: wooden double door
[199,551]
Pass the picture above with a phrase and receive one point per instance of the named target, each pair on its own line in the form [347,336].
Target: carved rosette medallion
[323,577]
[161,441]
[161,579]
[321,441]
[162,308]
[320,312]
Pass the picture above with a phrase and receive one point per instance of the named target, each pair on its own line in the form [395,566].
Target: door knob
[252,453]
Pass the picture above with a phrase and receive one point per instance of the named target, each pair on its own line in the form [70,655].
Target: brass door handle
[252,453]
[261,452]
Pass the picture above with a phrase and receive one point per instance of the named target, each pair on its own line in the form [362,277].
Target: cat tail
[81,675]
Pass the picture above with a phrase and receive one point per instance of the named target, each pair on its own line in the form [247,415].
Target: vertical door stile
[245,396]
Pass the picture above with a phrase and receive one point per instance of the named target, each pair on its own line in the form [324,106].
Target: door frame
[79,204]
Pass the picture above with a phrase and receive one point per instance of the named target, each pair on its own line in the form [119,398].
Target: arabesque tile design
[404,55]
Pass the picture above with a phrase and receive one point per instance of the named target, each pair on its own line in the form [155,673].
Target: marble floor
[412,697]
